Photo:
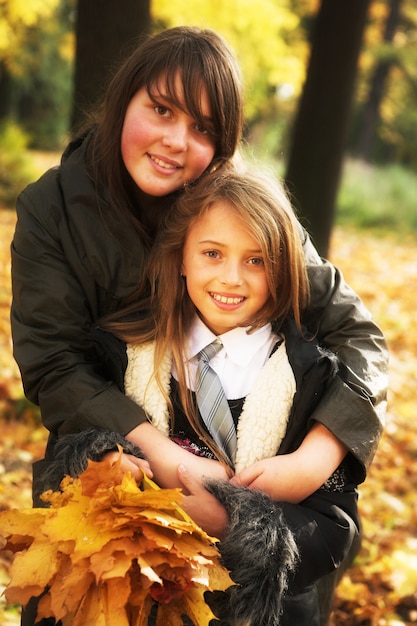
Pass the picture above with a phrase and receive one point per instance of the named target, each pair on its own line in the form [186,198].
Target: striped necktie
[212,402]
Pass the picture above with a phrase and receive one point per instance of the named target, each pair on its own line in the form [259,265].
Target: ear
[182,270]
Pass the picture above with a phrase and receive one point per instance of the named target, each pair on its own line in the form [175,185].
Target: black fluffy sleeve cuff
[72,453]
[260,552]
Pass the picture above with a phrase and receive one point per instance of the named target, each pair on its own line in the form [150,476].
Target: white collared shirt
[239,361]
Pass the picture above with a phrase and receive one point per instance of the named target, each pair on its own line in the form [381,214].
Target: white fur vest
[263,421]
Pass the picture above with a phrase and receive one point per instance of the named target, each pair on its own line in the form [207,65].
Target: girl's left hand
[201,506]
[295,476]
[263,475]
[129,463]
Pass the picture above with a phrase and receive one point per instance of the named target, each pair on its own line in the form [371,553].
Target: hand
[267,475]
[129,463]
[201,506]
[295,476]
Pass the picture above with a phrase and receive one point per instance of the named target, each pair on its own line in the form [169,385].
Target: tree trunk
[105,31]
[6,87]
[321,126]
[371,111]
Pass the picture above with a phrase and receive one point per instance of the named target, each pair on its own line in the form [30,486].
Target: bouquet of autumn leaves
[107,549]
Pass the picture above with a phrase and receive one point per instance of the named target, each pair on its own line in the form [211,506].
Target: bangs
[197,71]
[186,95]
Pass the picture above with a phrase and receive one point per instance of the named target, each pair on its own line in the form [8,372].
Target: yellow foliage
[29,13]
[382,583]
[264,36]
[107,550]
[16,17]
[404,568]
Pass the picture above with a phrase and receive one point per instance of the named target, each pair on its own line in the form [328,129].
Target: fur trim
[260,552]
[263,421]
[141,386]
[72,453]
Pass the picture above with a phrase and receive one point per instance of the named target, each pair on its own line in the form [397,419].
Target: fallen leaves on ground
[380,588]
[106,550]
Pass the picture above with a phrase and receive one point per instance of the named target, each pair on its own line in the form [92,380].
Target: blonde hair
[167,312]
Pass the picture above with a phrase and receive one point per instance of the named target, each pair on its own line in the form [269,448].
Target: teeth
[168,166]
[225,300]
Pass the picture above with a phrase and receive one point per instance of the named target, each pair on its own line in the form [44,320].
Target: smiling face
[224,269]
[162,145]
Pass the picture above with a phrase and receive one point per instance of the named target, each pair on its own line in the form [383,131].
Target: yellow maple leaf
[32,570]
[107,549]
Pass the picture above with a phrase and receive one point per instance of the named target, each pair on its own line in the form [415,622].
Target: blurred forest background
[331,90]
[331,107]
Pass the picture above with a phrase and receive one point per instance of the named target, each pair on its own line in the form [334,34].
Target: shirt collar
[239,346]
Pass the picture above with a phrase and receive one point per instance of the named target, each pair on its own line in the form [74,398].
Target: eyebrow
[213,242]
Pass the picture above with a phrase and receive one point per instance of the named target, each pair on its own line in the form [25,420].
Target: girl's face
[224,269]
[163,147]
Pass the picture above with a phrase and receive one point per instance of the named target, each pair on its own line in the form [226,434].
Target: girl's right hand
[201,505]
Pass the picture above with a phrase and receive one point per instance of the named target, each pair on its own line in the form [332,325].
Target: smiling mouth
[226,300]
[164,164]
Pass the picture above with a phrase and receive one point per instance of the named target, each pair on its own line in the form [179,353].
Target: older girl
[172,112]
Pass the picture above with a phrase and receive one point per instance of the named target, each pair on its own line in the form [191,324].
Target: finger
[245,477]
[141,464]
[137,467]
[190,484]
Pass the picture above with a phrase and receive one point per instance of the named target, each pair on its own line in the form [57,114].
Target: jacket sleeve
[353,407]
[56,300]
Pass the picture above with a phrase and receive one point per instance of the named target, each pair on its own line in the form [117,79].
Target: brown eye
[162,111]
[201,129]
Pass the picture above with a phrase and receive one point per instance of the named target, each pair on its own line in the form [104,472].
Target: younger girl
[228,265]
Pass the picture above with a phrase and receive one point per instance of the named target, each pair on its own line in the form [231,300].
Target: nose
[176,137]
[232,273]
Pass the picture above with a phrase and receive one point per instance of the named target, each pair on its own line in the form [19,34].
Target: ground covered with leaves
[380,589]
